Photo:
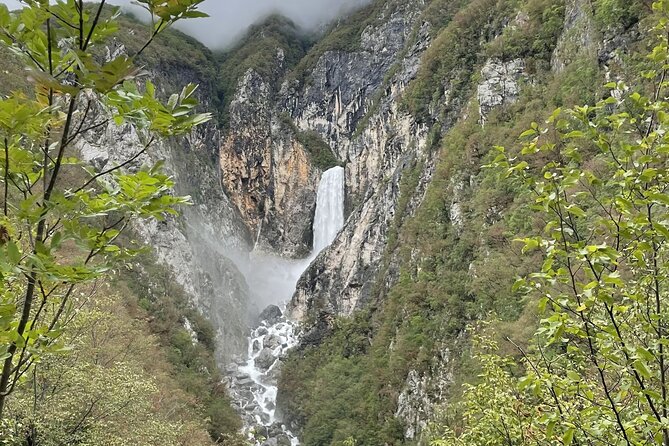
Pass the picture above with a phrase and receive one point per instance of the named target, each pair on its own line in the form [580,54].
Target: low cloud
[231,18]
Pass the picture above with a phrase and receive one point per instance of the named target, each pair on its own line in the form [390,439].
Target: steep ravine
[410,97]
[371,298]
[252,380]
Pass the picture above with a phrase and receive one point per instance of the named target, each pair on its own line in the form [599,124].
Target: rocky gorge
[390,113]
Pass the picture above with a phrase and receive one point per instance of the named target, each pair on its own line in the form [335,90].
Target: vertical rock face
[579,35]
[499,84]
[267,172]
[271,176]
[348,90]
[202,244]
[422,391]
[351,100]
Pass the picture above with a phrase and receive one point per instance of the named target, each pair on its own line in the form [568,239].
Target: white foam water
[253,382]
[329,218]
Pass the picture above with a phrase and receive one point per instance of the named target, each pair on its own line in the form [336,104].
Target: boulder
[273,375]
[246,382]
[271,341]
[272,314]
[265,359]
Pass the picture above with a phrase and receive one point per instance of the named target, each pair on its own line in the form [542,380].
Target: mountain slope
[411,98]
[143,365]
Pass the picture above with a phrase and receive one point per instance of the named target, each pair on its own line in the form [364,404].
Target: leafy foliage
[595,371]
[113,386]
[56,238]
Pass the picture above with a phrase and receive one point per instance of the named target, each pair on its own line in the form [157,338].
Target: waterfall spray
[253,381]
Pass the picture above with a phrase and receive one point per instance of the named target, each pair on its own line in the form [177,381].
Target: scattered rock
[272,314]
[265,359]
[271,341]
[245,382]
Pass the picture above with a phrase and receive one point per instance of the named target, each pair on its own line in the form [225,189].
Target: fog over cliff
[230,18]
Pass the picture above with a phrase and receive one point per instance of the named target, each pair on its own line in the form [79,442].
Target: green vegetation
[532,36]
[345,35]
[156,293]
[112,387]
[259,52]
[451,58]
[132,373]
[616,15]
[171,52]
[80,365]
[319,151]
[453,271]
[456,52]
[595,370]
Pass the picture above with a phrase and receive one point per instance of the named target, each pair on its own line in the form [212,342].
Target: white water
[253,382]
[329,218]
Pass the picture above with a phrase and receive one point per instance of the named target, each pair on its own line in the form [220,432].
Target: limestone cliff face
[203,246]
[355,107]
[272,178]
[267,172]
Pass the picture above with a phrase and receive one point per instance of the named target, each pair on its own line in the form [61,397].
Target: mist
[231,18]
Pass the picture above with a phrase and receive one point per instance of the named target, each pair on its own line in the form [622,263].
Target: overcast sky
[230,18]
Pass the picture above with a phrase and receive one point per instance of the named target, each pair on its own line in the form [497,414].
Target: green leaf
[568,436]
[573,376]
[13,253]
[641,368]
[528,132]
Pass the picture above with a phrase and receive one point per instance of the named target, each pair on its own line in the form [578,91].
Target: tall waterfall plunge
[253,380]
[329,217]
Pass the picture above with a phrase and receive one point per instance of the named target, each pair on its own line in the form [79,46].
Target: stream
[252,381]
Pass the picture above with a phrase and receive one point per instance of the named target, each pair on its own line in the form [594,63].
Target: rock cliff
[408,97]
[207,244]
[383,89]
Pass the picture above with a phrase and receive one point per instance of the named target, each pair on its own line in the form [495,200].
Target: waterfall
[329,218]
[252,381]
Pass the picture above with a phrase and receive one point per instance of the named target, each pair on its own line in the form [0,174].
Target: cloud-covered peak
[231,18]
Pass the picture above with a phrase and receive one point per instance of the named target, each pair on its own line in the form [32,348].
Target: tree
[60,219]
[597,369]
[112,387]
